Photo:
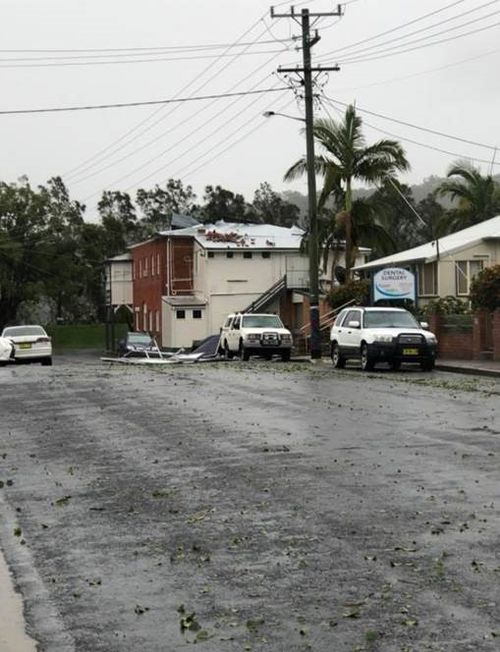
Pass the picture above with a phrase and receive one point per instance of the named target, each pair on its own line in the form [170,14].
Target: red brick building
[161,266]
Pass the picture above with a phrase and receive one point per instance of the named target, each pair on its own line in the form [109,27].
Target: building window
[158,264]
[152,265]
[210,254]
[197,314]
[145,266]
[427,280]
[140,268]
[157,321]
[229,254]
[180,314]
[266,254]
[133,271]
[151,320]
[247,254]
[465,270]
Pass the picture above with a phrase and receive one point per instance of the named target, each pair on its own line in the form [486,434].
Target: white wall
[119,282]
[178,333]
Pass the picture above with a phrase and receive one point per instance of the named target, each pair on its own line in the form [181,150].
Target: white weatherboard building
[233,265]
[446,266]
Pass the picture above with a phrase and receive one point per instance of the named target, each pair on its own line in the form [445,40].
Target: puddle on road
[13,637]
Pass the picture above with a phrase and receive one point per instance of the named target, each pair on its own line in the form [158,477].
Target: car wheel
[3,364]
[395,365]
[227,353]
[367,361]
[338,359]
[427,365]
[47,362]
[243,353]
[285,355]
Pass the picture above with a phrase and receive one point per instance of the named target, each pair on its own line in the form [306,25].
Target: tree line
[51,258]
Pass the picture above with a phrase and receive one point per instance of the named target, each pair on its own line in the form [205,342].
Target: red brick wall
[496,335]
[455,346]
[150,281]
[452,345]
[148,287]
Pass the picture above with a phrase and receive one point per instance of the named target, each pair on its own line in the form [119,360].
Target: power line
[398,27]
[455,155]
[394,52]
[137,128]
[129,104]
[156,139]
[375,51]
[230,146]
[129,61]
[172,161]
[184,121]
[163,48]
[414,126]
[419,74]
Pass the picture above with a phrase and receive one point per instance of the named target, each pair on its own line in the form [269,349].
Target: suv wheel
[285,355]
[367,361]
[427,365]
[395,365]
[228,355]
[337,357]
[243,353]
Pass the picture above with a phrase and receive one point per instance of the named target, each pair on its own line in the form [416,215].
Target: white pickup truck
[246,334]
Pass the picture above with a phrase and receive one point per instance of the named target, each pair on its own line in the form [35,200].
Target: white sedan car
[6,351]
[31,343]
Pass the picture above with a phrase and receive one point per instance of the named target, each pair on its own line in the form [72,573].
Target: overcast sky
[61,53]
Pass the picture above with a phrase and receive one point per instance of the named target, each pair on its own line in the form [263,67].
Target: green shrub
[446,306]
[342,294]
[485,289]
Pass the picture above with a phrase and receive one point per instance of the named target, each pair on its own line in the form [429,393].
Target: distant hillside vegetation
[419,192]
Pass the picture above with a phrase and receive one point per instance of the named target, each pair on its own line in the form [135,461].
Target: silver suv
[246,334]
[375,335]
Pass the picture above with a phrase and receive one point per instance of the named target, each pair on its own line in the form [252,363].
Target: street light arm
[269,114]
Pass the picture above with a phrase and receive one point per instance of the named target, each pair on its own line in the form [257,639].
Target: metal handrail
[327,318]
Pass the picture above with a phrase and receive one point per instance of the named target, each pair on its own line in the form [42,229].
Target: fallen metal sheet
[141,361]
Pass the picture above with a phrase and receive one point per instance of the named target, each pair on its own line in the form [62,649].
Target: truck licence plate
[410,351]
[25,345]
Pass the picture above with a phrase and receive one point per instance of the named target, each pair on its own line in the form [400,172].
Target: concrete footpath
[13,637]
[474,367]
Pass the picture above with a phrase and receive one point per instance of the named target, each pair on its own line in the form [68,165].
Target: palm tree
[477,197]
[346,157]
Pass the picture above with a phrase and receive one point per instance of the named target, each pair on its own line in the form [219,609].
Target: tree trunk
[348,230]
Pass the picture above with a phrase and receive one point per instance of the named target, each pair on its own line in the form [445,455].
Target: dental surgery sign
[393,283]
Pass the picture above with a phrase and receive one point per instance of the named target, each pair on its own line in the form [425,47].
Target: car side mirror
[424,325]
[353,324]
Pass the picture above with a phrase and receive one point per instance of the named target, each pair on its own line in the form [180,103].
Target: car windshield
[262,321]
[139,338]
[390,319]
[22,331]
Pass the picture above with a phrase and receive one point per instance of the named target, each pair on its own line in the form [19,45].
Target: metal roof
[185,300]
[120,258]
[231,235]
[448,244]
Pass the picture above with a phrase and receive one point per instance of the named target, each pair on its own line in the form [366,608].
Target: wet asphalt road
[257,506]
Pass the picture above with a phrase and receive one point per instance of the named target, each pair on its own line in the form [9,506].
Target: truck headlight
[252,337]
